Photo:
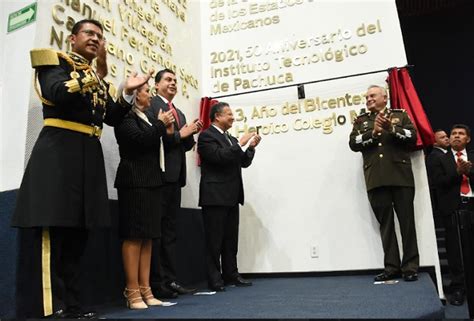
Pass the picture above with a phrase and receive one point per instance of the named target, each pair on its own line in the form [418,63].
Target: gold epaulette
[39,58]
[43,57]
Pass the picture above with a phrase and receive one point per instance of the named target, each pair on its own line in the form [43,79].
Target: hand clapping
[254,139]
[463,167]
[191,129]
[381,122]
[166,117]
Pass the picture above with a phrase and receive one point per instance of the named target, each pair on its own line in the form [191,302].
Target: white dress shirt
[463,157]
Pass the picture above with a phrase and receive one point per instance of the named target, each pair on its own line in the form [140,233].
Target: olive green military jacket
[387,155]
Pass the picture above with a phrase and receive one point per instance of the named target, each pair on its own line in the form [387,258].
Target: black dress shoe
[176,287]
[78,313]
[385,276]
[239,281]
[60,314]
[217,287]
[410,277]
[457,298]
[88,315]
[162,292]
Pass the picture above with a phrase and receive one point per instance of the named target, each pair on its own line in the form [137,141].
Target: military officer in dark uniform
[384,137]
[64,192]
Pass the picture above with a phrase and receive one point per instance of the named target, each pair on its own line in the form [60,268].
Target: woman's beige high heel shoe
[134,299]
[148,297]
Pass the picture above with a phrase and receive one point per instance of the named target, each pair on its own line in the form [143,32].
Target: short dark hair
[77,26]
[216,109]
[160,74]
[438,130]
[462,126]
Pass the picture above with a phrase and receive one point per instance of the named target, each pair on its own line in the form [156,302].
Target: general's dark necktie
[175,113]
[465,182]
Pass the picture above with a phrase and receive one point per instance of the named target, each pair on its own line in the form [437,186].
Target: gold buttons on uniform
[380,155]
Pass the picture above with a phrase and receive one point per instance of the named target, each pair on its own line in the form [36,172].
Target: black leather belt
[467,204]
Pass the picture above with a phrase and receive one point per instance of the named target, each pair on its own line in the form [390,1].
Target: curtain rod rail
[310,82]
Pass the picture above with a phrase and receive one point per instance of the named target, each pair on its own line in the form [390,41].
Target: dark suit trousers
[66,247]
[383,200]
[434,202]
[163,259]
[453,252]
[221,228]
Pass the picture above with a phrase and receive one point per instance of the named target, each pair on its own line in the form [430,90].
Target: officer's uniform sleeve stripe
[358,139]
[407,133]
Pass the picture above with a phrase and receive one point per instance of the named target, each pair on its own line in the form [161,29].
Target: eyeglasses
[92,33]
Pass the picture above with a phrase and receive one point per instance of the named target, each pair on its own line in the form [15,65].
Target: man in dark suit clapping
[163,273]
[453,177]
[440,147]
[220,192]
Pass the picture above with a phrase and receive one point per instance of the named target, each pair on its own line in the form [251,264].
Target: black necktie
[227,136]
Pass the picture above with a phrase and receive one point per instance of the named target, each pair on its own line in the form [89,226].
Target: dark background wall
[438,36]
[8,255]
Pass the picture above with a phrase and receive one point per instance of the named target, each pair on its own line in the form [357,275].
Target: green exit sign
[22,17]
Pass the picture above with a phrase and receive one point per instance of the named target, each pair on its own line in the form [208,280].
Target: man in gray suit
[163,271]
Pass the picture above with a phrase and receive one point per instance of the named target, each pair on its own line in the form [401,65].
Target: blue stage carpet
[303,298]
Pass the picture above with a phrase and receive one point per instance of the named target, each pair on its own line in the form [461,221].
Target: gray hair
[384,91]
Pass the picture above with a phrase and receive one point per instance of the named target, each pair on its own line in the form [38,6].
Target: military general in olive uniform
[384,137]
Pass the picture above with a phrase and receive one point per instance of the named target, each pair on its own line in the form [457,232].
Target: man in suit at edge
[440,147]
[163,270]
[384,136]
[453,177]
[220,192]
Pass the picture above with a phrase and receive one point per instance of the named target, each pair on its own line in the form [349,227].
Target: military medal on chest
[74,75]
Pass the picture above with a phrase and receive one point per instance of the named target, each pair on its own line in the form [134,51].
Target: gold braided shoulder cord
[43,100]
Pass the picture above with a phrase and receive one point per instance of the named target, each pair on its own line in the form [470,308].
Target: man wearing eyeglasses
[63,194]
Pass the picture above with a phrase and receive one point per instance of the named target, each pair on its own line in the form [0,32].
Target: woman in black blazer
[138,181]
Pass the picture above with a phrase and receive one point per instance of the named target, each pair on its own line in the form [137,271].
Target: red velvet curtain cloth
[403,96]
[204,109]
